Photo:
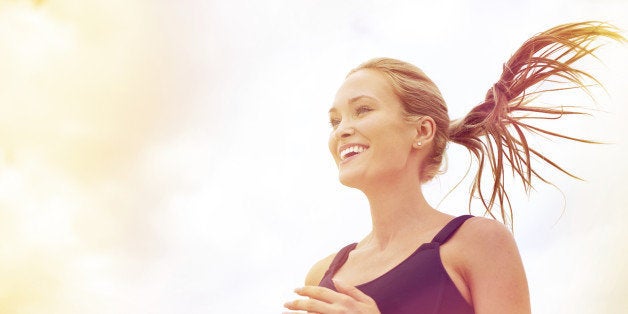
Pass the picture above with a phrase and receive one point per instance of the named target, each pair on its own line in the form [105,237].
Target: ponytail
[494,131]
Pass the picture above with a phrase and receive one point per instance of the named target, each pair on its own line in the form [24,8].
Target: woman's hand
[322,300]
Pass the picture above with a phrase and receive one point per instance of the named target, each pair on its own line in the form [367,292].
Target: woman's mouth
[351,151]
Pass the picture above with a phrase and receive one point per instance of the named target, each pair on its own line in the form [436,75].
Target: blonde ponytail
[494,131]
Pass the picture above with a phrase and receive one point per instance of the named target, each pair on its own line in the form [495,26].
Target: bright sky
[171,157]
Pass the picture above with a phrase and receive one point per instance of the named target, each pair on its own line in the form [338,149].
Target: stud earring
[419,143]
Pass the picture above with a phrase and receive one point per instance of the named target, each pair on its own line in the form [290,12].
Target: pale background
[171,156]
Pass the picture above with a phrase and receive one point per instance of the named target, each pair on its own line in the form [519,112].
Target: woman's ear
[425,129]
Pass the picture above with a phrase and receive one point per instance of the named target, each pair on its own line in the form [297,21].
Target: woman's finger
[320,293]
[348,299]
[309,305]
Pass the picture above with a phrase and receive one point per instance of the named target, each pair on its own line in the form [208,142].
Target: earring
[419,143]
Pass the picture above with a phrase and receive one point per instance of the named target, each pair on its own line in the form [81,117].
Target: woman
[390,130]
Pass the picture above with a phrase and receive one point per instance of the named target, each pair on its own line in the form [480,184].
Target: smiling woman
[390,130]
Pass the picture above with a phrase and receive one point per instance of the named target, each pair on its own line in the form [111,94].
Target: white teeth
[353,149]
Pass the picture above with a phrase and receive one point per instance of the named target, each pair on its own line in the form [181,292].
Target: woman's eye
[362,109]
[334,122]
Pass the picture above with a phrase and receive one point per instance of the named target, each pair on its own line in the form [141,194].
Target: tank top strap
[450,228]
[340,258]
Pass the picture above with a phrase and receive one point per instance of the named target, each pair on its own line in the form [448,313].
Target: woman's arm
[492,268]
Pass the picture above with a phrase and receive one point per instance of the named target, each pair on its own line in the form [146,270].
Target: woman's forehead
[364,84]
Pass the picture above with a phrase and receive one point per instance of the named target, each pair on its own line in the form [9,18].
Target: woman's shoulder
[481,237]
[480,227]
[318,270]
[485,254]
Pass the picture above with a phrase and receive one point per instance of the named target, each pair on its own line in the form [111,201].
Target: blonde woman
[390,128]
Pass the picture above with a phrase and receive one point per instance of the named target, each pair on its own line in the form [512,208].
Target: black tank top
[418,285]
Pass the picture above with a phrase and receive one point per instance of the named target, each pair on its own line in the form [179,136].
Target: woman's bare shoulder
[481,238]
[317,271]
[478,241]
[481,229]
[492,266]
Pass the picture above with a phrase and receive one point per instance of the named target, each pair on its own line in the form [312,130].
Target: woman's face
[371,141]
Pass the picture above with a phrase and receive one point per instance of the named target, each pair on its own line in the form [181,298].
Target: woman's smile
[348,151]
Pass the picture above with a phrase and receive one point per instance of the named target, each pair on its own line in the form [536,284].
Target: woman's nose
[344,131]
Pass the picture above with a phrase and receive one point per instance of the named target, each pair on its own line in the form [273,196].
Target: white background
[171,156]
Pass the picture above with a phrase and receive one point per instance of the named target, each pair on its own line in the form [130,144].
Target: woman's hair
[494,131]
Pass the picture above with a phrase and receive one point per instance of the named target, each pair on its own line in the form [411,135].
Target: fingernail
[297,290]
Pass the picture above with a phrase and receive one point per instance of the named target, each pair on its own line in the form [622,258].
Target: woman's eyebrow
[356,98]
[352,100]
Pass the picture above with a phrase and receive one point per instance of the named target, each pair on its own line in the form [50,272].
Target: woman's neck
[398,210]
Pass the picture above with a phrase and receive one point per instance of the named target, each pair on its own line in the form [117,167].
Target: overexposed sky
[171,157]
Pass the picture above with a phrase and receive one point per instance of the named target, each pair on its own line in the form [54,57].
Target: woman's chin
[350,180]
[355,179]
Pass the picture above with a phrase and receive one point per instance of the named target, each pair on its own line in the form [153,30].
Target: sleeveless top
[418,285]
